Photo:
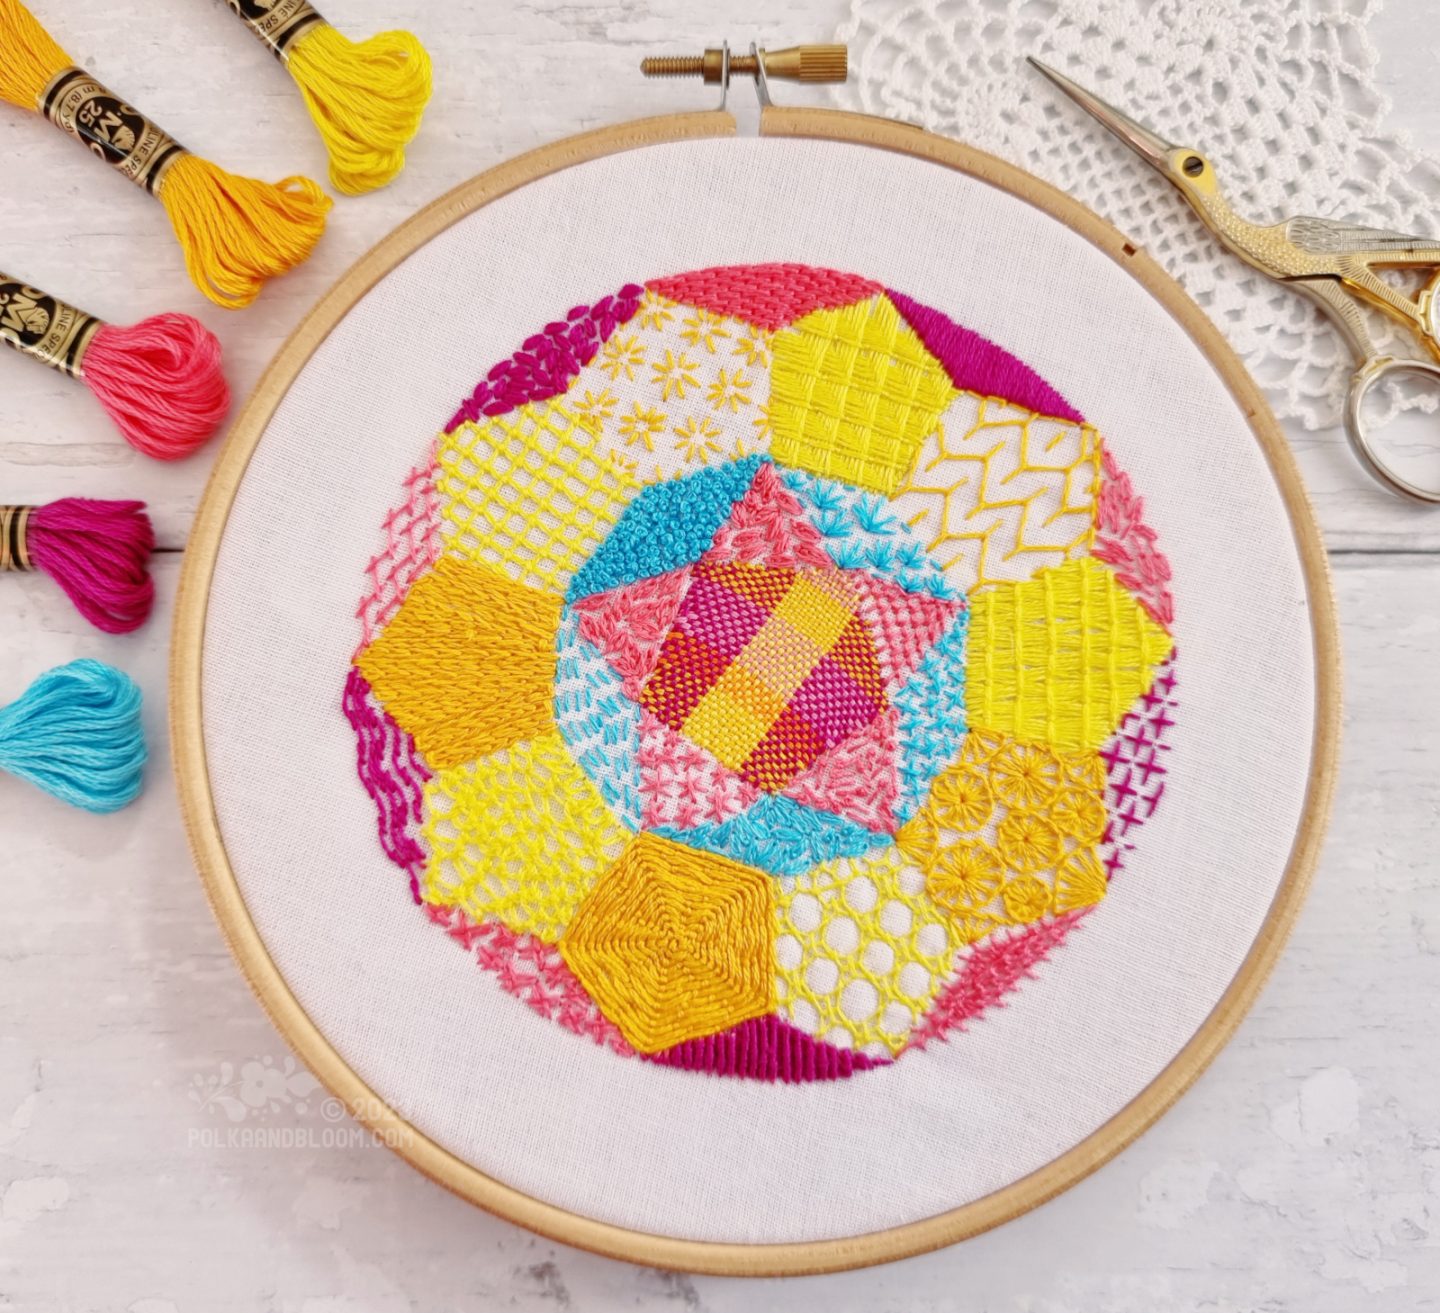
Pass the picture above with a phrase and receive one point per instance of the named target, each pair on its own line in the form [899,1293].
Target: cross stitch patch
[762,673]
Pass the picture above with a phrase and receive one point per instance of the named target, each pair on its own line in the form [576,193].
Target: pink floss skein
[160,380]
[97,551]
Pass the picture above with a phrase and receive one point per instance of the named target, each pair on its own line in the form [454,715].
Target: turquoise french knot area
[781,836]
[668,525]
[599,724]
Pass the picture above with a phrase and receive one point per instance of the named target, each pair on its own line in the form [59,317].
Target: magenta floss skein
[97,551]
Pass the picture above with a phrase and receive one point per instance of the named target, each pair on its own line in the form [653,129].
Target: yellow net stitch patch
[1061,657]
[1010,834]
[862,950]
[999,493]
[521,835]
[467,664]
[528,492]
[853,395]
[675,944]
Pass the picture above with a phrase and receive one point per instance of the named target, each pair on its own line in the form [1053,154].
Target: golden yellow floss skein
[235,232]
[366,97]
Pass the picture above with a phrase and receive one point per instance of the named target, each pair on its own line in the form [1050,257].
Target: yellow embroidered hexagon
[528,492]
[853,394]
[861,952]
[675,944]
[999,492]
[467,664]
[521,835]
[1008,834]
[1059,658]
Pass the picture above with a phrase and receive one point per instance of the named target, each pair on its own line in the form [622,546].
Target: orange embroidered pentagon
[467,665]
[674,943]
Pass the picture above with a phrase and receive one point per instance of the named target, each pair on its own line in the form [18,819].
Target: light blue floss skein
[75,732]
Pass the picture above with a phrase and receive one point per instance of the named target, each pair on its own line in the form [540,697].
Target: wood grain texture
[1303,1172]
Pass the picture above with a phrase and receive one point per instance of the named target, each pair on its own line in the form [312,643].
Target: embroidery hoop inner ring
[270,986]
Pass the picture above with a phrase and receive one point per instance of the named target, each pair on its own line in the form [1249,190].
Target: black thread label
[118,133]
[277,22]
[43,327]
[14,547]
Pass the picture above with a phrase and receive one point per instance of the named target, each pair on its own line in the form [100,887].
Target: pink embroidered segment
[1127,544]
[766,1048]
[766,668]
[628,624]
[393,775]
[905,624]
[1135,768]
[766,295]
[683,785]
[412,545]
[990,969]
[857,779]
[976,364]
[534,972]
[548,362]
[768,526]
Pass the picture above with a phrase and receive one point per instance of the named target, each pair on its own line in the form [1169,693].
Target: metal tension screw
[797,64]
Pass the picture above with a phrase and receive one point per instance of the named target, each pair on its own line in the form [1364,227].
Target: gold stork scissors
[1332,263]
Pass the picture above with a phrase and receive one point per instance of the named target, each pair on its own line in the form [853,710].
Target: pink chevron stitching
[766,295]
[768,526]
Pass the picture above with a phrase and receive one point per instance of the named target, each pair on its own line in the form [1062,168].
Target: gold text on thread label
[44,327]
[118,133]
[278,23]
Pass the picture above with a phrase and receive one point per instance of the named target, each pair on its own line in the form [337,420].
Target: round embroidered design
[763,673]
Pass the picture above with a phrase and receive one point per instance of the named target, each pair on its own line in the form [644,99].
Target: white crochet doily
[1278,93]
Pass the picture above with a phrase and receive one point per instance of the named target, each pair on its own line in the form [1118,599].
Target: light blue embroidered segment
[862,533]
[781,836]
[599,724]
[666,526]
[932,716]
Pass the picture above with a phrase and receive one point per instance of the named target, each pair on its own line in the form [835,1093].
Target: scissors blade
[1153,149]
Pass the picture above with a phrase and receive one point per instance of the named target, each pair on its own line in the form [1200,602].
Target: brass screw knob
[797,64]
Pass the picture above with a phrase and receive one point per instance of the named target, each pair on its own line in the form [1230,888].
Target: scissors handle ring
[1371,372]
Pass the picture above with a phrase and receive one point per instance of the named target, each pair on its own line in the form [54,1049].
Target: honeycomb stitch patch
[763,674]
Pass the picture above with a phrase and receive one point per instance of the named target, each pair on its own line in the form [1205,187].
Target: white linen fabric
[674,1152]
[1282,95]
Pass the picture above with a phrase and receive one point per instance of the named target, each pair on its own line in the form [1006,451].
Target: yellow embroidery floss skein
[235,232]
[366,97]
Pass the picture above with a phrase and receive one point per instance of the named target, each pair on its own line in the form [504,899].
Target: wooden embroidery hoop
[264,977]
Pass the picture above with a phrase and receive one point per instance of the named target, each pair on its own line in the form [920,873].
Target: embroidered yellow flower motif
[1026,898]
[642,425]
[1084,770]
[1024,775]
[919,839]
[962,799]
[695,440]
[729,391]
[762,423]
[704,328]
[753,347]
[593,410]
[1079,813]
[980,746]
[622,355]
[1027,842]
[965,876]
[655,312]
[1080,881]
[674,374]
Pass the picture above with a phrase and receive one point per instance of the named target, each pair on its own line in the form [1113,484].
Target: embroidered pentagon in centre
[766,668]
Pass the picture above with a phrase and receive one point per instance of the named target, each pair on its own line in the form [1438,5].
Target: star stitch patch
[763,673]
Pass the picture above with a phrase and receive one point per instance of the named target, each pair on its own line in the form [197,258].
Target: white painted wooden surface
[1302,1173]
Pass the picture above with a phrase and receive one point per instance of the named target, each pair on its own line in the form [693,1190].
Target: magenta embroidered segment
[763,674]
[549,361]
